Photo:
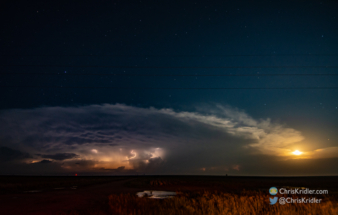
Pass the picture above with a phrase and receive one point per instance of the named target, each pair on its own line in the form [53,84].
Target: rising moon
[297,152]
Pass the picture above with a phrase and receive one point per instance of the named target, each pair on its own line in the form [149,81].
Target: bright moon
[297,152]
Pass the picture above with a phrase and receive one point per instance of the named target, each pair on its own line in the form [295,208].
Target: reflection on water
[155,194]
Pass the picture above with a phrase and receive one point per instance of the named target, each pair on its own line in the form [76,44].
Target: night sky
[177,87]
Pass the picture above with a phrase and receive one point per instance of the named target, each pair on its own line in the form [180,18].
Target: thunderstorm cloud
[121,139]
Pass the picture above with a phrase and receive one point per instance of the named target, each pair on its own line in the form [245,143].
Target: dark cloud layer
[121,139]
[44,161]
[59,156]
[8,154]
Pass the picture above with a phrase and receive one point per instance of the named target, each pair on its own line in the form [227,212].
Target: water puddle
[156,194]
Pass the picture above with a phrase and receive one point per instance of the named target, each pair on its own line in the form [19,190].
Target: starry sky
[192,87]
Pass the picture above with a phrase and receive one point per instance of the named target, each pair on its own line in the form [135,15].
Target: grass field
[16,184]
[195,195]
[213,203]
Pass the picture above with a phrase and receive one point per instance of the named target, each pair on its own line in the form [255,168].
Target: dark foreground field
[195,195]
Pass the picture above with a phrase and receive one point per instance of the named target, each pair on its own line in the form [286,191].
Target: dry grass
[215,203]
[158,182]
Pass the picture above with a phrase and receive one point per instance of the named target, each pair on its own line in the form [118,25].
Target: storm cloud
[8,154]
[59,156]
[120,138]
